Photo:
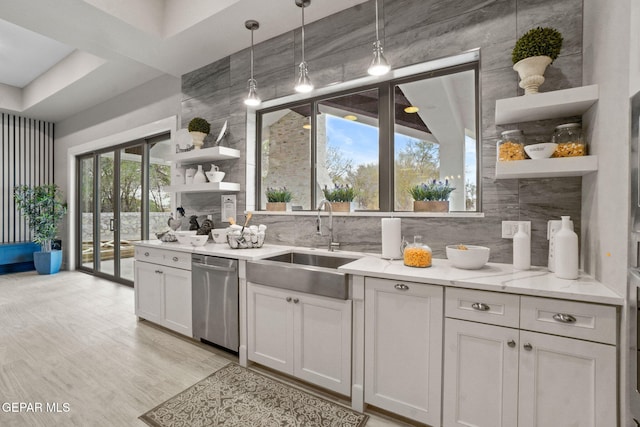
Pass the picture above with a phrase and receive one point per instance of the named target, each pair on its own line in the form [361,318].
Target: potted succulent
[199,128]
[43,209]
[340,196]
[431,197]
[278,198]
[531,55]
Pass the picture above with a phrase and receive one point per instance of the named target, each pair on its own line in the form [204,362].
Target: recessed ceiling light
[411,109]
[350,117]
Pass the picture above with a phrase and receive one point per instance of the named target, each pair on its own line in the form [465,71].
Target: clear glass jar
[569,140]
[417,254]
[511,146]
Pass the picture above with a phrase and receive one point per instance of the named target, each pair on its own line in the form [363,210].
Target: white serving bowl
[540,151]
[184,236]
[472,258]
[219,235]
[199,240]
[215,176]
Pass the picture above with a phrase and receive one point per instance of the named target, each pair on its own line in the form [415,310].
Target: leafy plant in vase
[340,196]
[278,198]
[531,55]
[199,128]
[43,208]
[431,197]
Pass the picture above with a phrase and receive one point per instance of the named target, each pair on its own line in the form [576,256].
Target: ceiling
[65,56]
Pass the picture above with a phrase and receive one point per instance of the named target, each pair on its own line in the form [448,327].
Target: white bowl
[215,176]
[184,236]
[199,240]
[540,151]
[219,235]
[471,258]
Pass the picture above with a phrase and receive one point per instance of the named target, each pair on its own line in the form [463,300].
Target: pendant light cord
[377,34]
[303,32]
[251,53]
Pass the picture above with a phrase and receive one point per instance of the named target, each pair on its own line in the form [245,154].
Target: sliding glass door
[118,188]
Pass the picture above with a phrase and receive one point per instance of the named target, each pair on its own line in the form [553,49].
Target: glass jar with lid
[417,254]
[511,146]
[569,140]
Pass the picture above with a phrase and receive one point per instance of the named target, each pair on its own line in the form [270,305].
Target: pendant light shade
[303,84]
[252,99]
[379,66]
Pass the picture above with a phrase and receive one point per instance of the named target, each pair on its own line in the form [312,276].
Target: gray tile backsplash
[338,48]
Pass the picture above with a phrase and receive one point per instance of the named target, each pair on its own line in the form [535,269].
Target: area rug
[239,397]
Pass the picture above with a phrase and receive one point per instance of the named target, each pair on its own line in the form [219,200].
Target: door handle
[480,306]
[401,287]
[564,318]
[112,223]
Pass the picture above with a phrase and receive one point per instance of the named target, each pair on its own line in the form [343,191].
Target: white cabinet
[303,335]
[162,288]
[518,374]
[403,348]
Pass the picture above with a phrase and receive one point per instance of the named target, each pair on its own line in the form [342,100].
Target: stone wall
[130,228]
[338,49]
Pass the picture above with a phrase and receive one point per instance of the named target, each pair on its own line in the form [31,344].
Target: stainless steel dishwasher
[215,300]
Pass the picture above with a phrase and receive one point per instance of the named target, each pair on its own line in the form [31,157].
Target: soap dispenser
[566,251]
[521,248]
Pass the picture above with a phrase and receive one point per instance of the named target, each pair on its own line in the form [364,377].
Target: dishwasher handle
[214,267]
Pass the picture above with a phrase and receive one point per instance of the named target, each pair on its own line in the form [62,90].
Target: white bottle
[566,251]
[521,248]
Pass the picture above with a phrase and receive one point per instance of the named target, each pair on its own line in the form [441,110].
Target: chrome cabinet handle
[175,258]
[564,318]
[480,306]
[511,343]
[288,299]
[158,271]
[528,347]
[401,287]
[146,254]
[296,300]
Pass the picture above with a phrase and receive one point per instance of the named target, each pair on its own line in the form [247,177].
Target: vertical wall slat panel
[26,158]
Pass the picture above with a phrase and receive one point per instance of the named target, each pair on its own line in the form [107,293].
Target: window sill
[377,214]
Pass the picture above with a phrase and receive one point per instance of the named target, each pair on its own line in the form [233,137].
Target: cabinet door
[270,327]
[148,291]
[177,300]
[566,382]
[480,375]
[322,342]
[403,348]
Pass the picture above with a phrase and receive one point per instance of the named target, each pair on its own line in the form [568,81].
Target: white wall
[148,109]
[634,49]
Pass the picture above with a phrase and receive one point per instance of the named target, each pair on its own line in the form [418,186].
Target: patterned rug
[238,397]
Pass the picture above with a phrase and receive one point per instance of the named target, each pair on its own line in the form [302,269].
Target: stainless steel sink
[311,273]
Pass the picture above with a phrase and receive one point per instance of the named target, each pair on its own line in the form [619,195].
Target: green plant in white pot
[43,208]
[199,128]
[531,55]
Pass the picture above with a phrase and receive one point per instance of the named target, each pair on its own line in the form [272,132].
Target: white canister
[189,175]
[566,251]
[553,226]
[391,238]
[521,248]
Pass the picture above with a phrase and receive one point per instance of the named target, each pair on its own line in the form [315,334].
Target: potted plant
[278,198]
[43,209]
[533,52]
[431,197]
[199,128]
[340,197]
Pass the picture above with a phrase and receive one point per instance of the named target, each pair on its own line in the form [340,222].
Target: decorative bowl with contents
[540,151]
[511,146]
[468,257]
[417,254]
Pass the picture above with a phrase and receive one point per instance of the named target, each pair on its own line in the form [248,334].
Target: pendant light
[252,99]
[379,65]
[303,84]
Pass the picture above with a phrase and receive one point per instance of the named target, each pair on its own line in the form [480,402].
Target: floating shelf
[547,168]
[546,105]
[206,155]
[204,187]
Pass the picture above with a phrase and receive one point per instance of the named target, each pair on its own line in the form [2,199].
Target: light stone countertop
[537,281]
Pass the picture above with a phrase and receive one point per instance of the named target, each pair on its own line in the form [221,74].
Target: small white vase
[189,174]
[566,251]
[521,249]
[198,139]
[531,71]
[199,177]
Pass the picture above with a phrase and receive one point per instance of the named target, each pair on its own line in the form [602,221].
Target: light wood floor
[73,339]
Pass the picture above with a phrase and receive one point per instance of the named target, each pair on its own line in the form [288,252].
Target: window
[380,139]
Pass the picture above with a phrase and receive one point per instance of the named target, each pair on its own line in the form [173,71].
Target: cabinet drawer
[593,322]
[482,306]
[166,257]
[178,259]
[153,255]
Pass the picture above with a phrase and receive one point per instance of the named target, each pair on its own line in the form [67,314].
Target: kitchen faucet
[324,203]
